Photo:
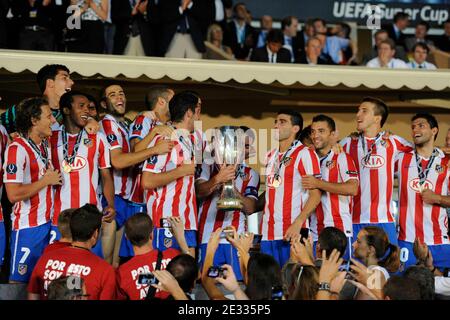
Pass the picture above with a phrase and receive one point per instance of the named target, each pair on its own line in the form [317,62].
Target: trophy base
[229,205]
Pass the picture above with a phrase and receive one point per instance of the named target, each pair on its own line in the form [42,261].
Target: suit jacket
[443,43]
[211,12]
[400,40]
[298,46]
[302,59]
[261,55]
[240,51]
[411,41]
[171,17]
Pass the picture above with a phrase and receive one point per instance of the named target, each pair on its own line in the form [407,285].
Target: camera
[227,232]
[257,239]
[164,223]
[147,278]
[215,272]
[277,293]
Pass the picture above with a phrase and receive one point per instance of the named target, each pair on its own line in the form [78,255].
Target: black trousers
[89,39]
[42,40]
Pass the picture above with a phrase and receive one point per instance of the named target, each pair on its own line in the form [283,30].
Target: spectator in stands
[343,30]
[218,12]
[91,35]
[139,37]
[385,59]
[395,29]
[420,37]
[378,257]
[67,288]
[37,22]
[240,35]
[273,52]
[332,46]
[266,26]
[312,54]
[139,230]
[443,42]
[420,53]
[182,35]
[99,276]
[398,288]
[379,36]
[292,42]
[214,37]
[424,278]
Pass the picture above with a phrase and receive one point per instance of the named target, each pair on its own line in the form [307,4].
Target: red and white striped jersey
[23,165]
[3,144]
[417,220]
[373,203]
[117,137]
[246,182]
[335,210]
[178,197]
[285,203]
[80,185]
[139,129]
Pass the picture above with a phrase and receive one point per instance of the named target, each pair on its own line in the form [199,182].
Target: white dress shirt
[393,64]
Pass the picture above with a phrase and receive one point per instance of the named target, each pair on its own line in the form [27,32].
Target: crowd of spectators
[209,29]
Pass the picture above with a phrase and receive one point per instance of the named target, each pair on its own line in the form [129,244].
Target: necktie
[420,66]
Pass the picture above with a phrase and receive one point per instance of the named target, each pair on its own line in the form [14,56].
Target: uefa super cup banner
[363,12]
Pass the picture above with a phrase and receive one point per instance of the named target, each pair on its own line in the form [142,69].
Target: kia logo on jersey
[375,161]
[415,185]
[78,164]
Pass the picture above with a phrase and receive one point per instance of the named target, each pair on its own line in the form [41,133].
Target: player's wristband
[324,286]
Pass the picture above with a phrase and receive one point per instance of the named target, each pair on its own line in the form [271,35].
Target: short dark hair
[399,288]
[180,104]
[305,135]
[430,119]
[286,22]
[381,109]
[64,223]
[184,268]
[321,20]
[138,229]
[421,45]
[425,24]
[332,238]
[48,71]
[58,289]
[237,5]
[424,278]
[264,273]
[400,16]
[67,99]
[84,222]
[327,119]
[346,28]
[155,92]
[296,117]
[380,31]
[275,36]
[26,111]
[389,42]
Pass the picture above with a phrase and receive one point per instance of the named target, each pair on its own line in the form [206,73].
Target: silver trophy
[229,149]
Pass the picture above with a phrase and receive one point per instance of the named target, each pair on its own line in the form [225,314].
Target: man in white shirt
[385,59]
[420,53]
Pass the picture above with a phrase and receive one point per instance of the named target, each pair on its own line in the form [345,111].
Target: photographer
[139,230]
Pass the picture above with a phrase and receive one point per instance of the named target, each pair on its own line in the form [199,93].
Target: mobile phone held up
[164,223]
[215,272]
[147,278]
